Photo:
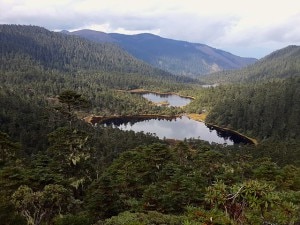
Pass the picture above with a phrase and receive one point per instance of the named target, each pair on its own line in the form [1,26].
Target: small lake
[173,100]
[209,85]
[179,129]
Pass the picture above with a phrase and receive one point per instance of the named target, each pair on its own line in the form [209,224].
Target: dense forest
[266,110]
[26,48]
[283,63]
[56,169]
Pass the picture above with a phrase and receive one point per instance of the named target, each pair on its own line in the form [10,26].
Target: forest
[56,169]
[280,64]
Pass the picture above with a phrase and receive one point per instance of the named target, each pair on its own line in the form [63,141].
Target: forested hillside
[263,102]
[31,47]
[177,57]
[57,169]
[283,63]
[263,110]
[37,65]
[40,64]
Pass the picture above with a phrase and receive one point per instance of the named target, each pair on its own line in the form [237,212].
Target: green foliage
[266,111]
[9,151]
[82,173]
[289,178]
[41,206]
[200,216]
[68,146]
[151,217]
[281,64]
[175,184]
[26,119]
[168,179]
[127,178]
[40,172]
[252,201]
[8,215]
[72,220]
[71,101]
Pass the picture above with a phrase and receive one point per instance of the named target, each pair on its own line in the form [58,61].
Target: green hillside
[37,65]
[25,47]
[280,64]
[40,62]
[57,169]
[265,110]
[261,100]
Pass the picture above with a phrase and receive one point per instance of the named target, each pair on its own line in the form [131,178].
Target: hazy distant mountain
[96,36]
[178,57]
[280,64]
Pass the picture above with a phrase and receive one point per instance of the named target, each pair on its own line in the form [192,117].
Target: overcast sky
[251,28]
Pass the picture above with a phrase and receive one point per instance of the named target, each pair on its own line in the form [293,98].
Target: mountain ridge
[175,56]
[58,51]
[280,64]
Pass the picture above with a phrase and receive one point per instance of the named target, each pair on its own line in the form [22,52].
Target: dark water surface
[179,129]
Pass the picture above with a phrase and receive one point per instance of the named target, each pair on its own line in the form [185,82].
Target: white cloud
[243,27]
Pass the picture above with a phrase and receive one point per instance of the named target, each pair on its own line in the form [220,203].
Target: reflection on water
[179,129]
[173,100]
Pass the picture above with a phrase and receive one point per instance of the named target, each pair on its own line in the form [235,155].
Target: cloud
[194,27]
[286,31]
[231,25]
[259,36]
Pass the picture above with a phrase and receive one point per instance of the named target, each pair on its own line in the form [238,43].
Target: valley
[57,168]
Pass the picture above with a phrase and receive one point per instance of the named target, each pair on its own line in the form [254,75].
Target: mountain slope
[48,50]
[280,64]
[178,57]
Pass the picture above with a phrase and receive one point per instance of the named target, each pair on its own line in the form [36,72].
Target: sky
[248,28]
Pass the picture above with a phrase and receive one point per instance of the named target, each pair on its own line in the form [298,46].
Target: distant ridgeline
[177,57]
[30,47]
[280,64]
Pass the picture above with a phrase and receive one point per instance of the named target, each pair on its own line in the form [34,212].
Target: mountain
[24,47]
[91,35]
[177,57]
[280,64]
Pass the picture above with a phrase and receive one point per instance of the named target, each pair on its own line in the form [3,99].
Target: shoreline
[96,119]
[92,119]
[202,118]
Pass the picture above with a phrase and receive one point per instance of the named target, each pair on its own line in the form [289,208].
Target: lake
[179,129]
[173,100]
